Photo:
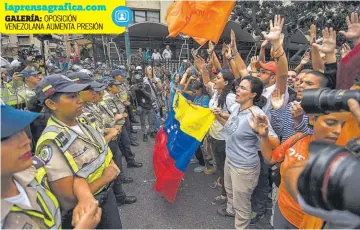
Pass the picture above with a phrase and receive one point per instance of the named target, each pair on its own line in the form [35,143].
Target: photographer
[288,213]
[145,102]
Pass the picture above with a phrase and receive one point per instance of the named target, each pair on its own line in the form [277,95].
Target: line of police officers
[75,169]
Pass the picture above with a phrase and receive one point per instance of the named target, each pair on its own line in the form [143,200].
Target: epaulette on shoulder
[63,138]
[37,162]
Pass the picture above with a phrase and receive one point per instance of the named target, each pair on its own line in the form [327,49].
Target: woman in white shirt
[222,99]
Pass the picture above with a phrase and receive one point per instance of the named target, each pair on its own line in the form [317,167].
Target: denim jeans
[157,121]
[150,114]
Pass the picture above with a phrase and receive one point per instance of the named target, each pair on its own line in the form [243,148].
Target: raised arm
[262,51]
[328,45]
[278,53]
[317,62]
[353,32]
[239,62]
[185,90]
[205,73]
[303,62]
[185,76]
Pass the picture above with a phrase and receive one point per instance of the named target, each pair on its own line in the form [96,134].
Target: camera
[330,180]
[322,101]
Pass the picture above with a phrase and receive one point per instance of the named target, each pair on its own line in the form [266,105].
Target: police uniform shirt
[93,114]
[114,103]
[7,95]
[123,94]
[83,150]
[20,220]
[25,93]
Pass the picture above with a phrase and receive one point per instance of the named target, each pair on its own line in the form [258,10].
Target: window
[153,16]
[139,16]
[142,16]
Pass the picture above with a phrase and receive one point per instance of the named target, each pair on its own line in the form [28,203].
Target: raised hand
[277,100]
[233,41]
[253,62]
[228,52]
[345,49]
[312,34]
[259,123]
[329,41]
[297,113]
[200,63]
[223,49]
[211,47]
[274,36]
[305,59]
[353,24]
[194,52]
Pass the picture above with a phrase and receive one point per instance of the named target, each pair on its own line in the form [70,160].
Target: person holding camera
[155,89]
[147,106]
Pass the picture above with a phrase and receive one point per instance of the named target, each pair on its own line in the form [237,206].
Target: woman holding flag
[222,100]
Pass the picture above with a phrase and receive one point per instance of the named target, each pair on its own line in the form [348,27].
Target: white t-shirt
[216,129]
[21,199]
[156,56]
[167,54]
[77,129]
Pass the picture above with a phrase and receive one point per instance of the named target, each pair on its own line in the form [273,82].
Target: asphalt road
[192,208]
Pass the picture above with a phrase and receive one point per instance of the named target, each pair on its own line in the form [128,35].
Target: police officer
[30,78]
[72,148]
[114,104]
[7,94]
[124,93]
[106,125]
[24,203]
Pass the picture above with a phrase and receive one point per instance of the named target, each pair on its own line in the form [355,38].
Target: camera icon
[121,16]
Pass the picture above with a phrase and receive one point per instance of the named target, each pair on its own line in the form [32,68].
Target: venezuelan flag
[176,142]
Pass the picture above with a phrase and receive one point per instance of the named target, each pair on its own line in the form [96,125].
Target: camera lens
[320,101]
[330,178]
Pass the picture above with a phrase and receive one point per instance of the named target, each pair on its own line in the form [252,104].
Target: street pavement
[192,208]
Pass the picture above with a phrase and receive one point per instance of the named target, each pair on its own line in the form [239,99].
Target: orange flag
[202,20]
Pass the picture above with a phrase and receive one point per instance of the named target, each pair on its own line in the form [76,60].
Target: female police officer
[72,148]
[24,202]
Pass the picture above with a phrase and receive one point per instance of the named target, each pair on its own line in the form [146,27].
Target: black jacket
[143,97]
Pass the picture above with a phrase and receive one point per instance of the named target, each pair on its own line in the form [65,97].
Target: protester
[84,129]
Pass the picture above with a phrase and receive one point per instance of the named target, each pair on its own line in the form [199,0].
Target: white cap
[138,68]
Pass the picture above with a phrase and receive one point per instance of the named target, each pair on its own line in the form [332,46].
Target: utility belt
[101,197]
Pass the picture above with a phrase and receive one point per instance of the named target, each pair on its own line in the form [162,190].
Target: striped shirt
[284,126]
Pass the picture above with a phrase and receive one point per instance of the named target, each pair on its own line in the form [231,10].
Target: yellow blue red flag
[176,142]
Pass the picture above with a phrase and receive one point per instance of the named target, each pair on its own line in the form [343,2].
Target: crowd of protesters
[81,124]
